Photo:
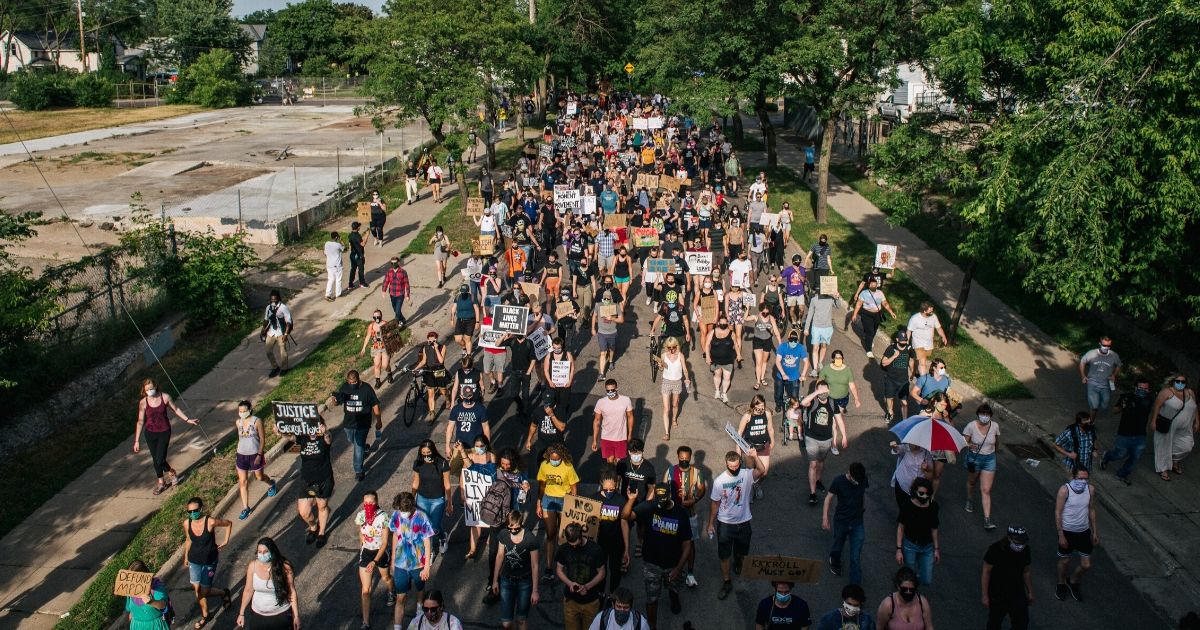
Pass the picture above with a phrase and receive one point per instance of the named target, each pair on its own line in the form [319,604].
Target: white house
[257,33]
[44,49]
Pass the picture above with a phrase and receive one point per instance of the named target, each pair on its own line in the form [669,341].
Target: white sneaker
[870,355]
[647,301]
[716,395]
[835,451]
[445,546]
[813,373]
[691,581]
[724,397]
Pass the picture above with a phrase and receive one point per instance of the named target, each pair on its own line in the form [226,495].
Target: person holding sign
[566,311]
[870,302]
[580,566]
[316,481]
[559,370]
[149,612]
[605,319]
[729,516]
[820,260]
[758,430]
[200,549]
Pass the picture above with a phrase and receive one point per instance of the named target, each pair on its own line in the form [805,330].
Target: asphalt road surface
[783,521]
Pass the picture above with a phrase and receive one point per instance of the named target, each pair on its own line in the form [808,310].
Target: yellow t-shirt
[557,480]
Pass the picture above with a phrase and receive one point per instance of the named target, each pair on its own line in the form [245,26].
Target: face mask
[194,515]
[850,610]
[823,397]
[428,459]
[1179,386]
[1141,393]
[557,350]
[1016,547]
[901,345]
[158,596]
[243,414]
[783,598]
[607,493]
[985,419]
[723,326]
[395,265]
[1105,349]
[940,407]
[151,392]
[941,371]
[556,462]
[432,342]
[921,499]
[734,470]
[663,504]
[1078,485]
[684,464]
[611,394]
[480,450]
[823,243]
[622,616]
[635,458]
[707,285]
[377,318]
[264,557]
[907,594]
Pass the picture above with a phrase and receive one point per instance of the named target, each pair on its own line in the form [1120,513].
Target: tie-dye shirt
[409,533]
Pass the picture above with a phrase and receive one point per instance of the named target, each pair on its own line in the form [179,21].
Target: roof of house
[257,32]
[51,40]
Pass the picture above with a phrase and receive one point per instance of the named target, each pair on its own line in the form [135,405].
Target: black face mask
[684,464]
[908,594]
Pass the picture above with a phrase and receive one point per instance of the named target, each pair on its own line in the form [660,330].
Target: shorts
[613,448]
[607,341]
[794,300]
[982,463]
[378,351]
[407,579]
[249,463]
[464,327]
[494,361]
[202,574]
[621,279]
[435,180]
[727,367]
[763,344]
[842,403]
[705,224]
[671,386]
[653,578]
[552,504]
[764,450]
[434,381]
[822,335]
[365,556]
[1078,544]
[733,539]
[895,389]
[817,450]
[319,490]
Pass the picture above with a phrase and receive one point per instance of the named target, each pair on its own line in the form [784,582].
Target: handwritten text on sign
[540,341]
[567,199]
[560,373]
[509,319]
[296,418]
[699,263]
[135,583]
[586,512]
[782,568]
[475,485]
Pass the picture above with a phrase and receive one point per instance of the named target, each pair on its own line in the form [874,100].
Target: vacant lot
[32,125]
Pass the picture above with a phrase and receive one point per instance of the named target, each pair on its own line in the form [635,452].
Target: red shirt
[396,282]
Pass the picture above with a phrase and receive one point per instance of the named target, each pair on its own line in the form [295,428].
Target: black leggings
[377,230]
[870,324]
[614,552]
[158,441]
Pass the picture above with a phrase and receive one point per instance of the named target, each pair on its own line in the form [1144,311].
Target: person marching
[152,420]
[373,552]
[250,457]
[200,550]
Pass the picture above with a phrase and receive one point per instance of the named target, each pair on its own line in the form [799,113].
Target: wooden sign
[138,584]
[782,569]
[607,310]
[708,309]
[585,512]
[645,237]
[616,220]
[647,181]
[364,212]
[564,309]
[293,418]
[660,265]
[885,256]
[510,319]
[829,286]
[474,206]
[392,341]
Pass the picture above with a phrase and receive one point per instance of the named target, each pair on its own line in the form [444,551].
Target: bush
[93,90]
[32,90]
[214,80]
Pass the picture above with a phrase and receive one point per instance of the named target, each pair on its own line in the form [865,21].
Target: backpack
[635,617]
[496,503]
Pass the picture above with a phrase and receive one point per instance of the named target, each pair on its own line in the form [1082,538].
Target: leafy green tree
[259,16]
[26,301]
[306,29]
[191,28]
[214,80]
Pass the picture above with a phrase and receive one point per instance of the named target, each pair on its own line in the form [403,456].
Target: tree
[26,301]
[306,29]
[259,16]
[1084,188]
[193,27]
[214,80]
[836,56]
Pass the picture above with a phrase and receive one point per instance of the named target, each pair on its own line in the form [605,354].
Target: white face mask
[635,458]
[850,610]
[941,371]
[406,515]
[243,414]
[985,419]
[151,392]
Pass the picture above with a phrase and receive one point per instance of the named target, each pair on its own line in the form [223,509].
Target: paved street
[783,522]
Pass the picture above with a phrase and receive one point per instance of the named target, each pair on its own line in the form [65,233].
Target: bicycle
[655,349]
[414,397]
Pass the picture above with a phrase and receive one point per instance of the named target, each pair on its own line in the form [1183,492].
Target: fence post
[239,197]
[364,152]
[337,151]
[107,261]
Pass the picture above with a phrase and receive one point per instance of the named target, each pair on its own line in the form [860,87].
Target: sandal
[1164,476]
[200,624]
[756,386]
[158,489]
[227,599]
[1176,469]
[666,437]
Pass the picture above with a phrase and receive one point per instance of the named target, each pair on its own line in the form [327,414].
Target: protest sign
[660,265]
[589,204]
[782,569]
[364,212]
[529,182]
[708,309]
[572,108]
[475,485]
[585,512]
[607,310]
[829,286]
[474,206]
[560,373]
[541,342]
[645,237]
[510,319]
[532,290]
[567,199]
[293,418]
[545,150]
[489,337]
[885,256]
[768,220]
[616,220]
[647,181]
[655,122]
[740,441]
[640,123]
[670,183]
[699,263]
[137,584]
[749,301]
[564,309]
[483,246]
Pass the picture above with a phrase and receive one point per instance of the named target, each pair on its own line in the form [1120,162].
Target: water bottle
[521,495]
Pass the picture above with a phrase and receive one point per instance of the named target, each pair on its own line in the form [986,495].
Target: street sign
[629,68]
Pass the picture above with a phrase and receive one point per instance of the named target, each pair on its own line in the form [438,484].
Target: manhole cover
[1030,451]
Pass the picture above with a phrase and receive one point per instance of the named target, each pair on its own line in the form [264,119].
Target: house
[256,33]
[45,49]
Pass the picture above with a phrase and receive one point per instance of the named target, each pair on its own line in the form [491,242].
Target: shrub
[33,90]
[93,90]
[214,80]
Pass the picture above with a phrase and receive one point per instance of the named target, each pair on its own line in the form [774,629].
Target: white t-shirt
[739,273]
[283,317]
[920,330]
[984,440]
[333,254]
[756,188]
[487,224]
[734,495]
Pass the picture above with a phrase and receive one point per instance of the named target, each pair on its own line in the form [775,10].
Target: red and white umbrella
[935,435]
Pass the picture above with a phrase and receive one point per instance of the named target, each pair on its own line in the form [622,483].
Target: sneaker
[820,486]
[970,507]
[988,525]
[1061,591]
[274,373]
[870,355]
[273,490]
[322,539]
[365,626]
[245,513]
[310,537]
[813,373]
[359,476]
[647,301]
[690,580]
[1076,594]
[444,546]
[726,589]
[835,450]
[812,498]
[834,567]
[378,383]
[758,492]
[778,408]
[724,397]
[887,418]
[716,395]
[391,600]
[351,287]
[489,597]
[1125,480]
[676,607]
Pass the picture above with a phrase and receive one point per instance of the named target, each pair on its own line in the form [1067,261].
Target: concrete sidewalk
[101,511]
[1163,517]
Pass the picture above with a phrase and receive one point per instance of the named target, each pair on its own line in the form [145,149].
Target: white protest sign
[655,122]
[769,220]
[489,338]
[560,373]
[737,438]
[885,256]
[567,199]
[541,342]
[572,108]
[639,123]
[699,263]
[589,204]
[475,485]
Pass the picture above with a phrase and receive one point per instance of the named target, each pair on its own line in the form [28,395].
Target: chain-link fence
[135,94]
[308,90]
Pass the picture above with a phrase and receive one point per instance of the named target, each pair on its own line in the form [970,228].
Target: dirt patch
[361,123]
[31,125]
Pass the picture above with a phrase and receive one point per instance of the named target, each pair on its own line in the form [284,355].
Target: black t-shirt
[1008,570]
[472,377]
[849,500]
[640,477]
[429,477]
[819,424]
[521,353]
[795,615]
[315,463]
[666,531]
[518,564]
[919,522]
[357,402]
[580,565]
[610,519]
[1135,413]
[356,244]
[898,368]
[577,248]
[870,275]
[672,314]
[547,433]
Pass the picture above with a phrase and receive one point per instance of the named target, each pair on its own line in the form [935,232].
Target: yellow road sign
[629,68]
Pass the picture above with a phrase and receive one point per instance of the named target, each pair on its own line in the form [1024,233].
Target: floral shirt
[410,532]
[372,534]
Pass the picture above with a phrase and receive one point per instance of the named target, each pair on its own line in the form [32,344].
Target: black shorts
[464,327]
[733,539]
[1078,544]
[316,490]
[365,556]
[436,377]
[763,344]
[894,389]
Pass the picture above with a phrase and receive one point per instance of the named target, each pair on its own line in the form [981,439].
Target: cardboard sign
[616,220]
[589,204]
[564,309]
[568,199]
[648,181]
[392,341]
[364,212]
[541,342]
[138,584]
[708,309]
[475,486]
[699,263]
[510,319]
[483,246]
[296,418]
[474,206]
[829,285]
[769,220]
[607,310]
[545,150]
[670,183]
[585,512]
[532,290]
[560,373]
[490,337]
[740,441]
[782,568]
[660,265]
[645,237]
[885,256]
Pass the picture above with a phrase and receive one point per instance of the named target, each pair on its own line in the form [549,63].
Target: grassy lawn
[853,256]
[32,125]
[159,537]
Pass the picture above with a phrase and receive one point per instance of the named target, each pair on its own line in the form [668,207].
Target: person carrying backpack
[620,615]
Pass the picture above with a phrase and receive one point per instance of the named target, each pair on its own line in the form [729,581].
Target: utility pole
[82,49]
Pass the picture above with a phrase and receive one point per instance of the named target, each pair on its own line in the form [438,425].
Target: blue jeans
[358,437]
[397,307]
[919,558]
[1128,446]
[514,598]
[1098,397]
[856,534]
[790,388]
[435,509]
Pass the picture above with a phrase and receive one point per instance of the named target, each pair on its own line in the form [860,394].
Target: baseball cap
[901,336]
[1018,534]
